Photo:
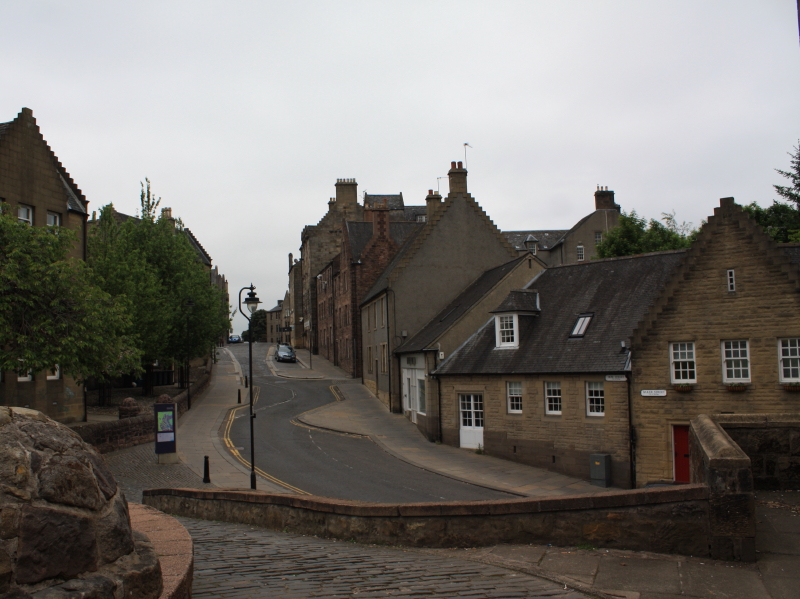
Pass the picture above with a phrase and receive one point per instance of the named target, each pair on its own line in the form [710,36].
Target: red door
[680,445]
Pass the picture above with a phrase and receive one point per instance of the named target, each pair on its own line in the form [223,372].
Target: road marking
[235,450]
[337,394]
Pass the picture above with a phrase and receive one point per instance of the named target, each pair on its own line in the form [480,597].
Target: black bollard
[206,476]
[239,392]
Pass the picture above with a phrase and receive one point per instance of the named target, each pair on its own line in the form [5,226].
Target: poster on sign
[165,417]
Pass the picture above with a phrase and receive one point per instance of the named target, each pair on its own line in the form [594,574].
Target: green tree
[781,221]
[634,235]
[51,312]
[176,312]
[259,325]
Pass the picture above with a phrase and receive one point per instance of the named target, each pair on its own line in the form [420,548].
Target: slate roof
[277,308]
[4,127]
[546,239]
[451,313]
[792,251]
[73,201]
[412,212]
[359,234]
[519,300]
[618,291]
[393,202]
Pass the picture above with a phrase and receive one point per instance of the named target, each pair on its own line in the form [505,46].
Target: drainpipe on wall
[631,428]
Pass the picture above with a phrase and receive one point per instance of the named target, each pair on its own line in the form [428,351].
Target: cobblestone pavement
[237,561]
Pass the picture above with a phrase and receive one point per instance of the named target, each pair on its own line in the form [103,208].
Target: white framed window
[789,351]
[384,358]
[54,373]
[579,329]
[580,253]
[552,398]
[25,377]
[421,218]
[598,237]
[595,399]
[383,312]
[682,367]
[53,219]
[25,214]
[514,395]
[735,361]
[506,334]
[731,280]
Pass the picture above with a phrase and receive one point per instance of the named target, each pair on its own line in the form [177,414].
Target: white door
[471,411]
[410,393]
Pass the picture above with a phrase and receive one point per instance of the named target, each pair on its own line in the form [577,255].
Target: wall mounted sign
[617,378]
[654,392]
[166,416]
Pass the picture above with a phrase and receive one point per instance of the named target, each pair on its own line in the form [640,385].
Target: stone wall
[119,434]
[772,442]
[669,520]
[561,443]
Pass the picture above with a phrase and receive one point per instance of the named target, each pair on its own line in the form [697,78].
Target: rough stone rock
[129,408]
[64,524]
[69,481]
[54,543]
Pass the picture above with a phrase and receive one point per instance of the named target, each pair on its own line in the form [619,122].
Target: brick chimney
[604,199]
[433,201]
[376,208]
[458,178]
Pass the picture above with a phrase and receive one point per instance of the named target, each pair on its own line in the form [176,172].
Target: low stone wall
[719,463]
[119,434]
[772,442]
[669,520]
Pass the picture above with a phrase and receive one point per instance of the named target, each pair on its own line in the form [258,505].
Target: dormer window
[579,330]
[530,244]
[506,327]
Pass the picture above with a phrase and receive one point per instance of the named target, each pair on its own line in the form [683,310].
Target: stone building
[617,356]
[274,323]
[446,331]
[556,247]
[456,246]
[723,338]
[367,248]
[41,193]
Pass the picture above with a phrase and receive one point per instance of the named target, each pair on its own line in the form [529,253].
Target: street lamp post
[251,301]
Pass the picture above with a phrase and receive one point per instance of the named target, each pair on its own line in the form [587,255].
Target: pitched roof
[201,251]
[412,212]
[359,234]
[519,300]
[617,291]
[382,281]
[451,313]
[392,202]
[546,239]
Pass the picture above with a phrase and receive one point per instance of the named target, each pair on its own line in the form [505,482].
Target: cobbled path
[236,561]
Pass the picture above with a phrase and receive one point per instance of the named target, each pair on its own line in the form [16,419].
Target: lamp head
[252,301]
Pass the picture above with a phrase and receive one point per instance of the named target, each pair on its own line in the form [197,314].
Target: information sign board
[166,418]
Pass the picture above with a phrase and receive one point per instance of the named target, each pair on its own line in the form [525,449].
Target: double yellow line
[227,439]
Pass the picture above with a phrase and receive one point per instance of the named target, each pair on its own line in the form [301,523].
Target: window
[552,394]
[25,214]
[514,394]
[421,218]
[421,396]
[506,330]
[24,377]
[595,399]
[735,362]
[471,409]
[731,281]
[579,251]
[384,358]
[681,357]
[790,360]
[579,330]
[383,312]
[53,219]
[369,359]
[598,237]
[54,373]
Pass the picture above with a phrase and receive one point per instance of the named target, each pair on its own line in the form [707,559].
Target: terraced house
[615,357]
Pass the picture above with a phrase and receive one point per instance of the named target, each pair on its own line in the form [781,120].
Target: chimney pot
[460,165]
[430,192]
[453,165]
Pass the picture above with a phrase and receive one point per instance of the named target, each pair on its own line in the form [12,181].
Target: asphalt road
[324,463]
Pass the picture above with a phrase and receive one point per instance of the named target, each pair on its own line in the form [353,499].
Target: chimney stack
[458,178]
[433,201]
[346,192]
[604,199]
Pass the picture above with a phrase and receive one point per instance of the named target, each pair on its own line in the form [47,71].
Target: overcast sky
[244,114]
